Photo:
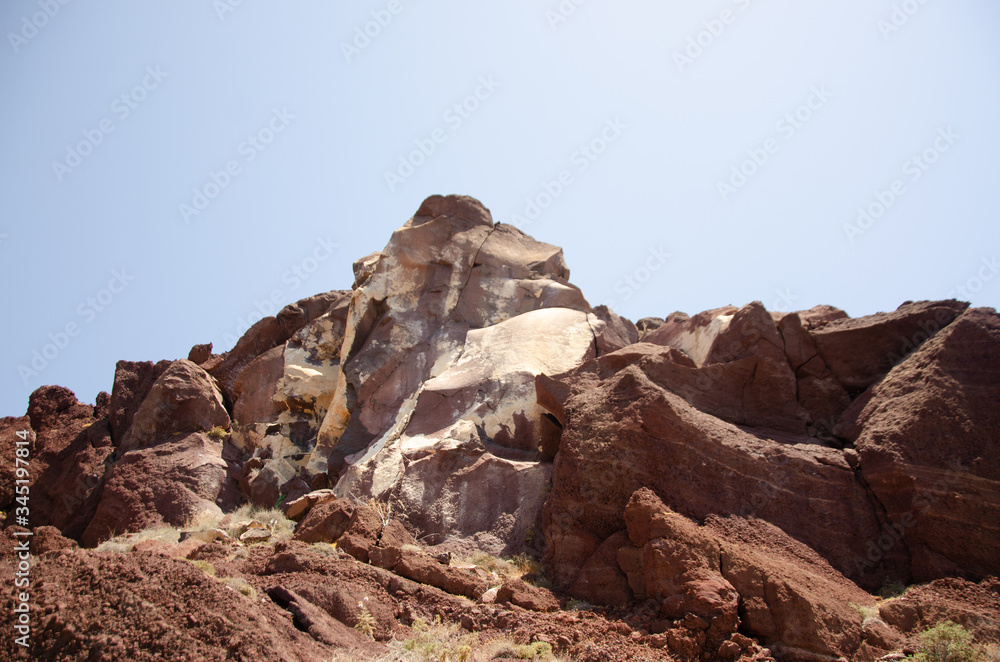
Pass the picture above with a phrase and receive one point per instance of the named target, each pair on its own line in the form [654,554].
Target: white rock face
[462,458]
[697,342]
[419,387]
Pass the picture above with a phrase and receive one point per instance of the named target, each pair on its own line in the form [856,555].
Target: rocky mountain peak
[727,480]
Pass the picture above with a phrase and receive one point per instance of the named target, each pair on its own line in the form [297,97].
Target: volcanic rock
[436,404]
[860,351]
[326,521]
[739,352]
[624,431]
[68,452]
[184,399]
[169,483]
[940,497]
[133,381]
[256,387]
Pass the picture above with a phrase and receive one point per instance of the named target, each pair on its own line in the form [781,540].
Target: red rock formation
[624,431]
[927,443]
[736,472]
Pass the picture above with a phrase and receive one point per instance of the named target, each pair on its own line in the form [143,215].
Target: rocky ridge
[718,486]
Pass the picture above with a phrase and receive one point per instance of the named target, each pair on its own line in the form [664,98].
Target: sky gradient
[173,170]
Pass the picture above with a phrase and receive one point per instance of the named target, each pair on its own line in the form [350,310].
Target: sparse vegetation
[326,548]
[383,509]
[218,432]
[204,566]
[489,563]
[867,612]
[240,585]
[447,642]
[439,642]
[577,605]
[366,622]
[538,650]
[526,565]
[124,543]
[521,566]
[948,642]
[280,526]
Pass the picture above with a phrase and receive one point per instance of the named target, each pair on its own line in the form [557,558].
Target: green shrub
[947,642]
[218,432]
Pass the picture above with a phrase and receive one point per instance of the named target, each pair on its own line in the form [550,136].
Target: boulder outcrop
[623,430]
[721,481]
[927,445]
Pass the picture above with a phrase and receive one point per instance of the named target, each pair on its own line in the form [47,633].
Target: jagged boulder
[737,573]
[430,399]
[133,381]
[255,389]
[927,443]
[623,430]
[743,374]
[183,399]
[70,446]
[166,468]
[861,351]
[266,334]
[170,483]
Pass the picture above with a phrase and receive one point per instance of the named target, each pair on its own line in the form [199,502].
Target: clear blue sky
[115,113]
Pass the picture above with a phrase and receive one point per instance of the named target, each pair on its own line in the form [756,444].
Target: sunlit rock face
[430,399]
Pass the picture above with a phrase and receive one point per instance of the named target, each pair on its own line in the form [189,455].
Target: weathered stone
[861,351]
[170,483]
[325,522]
[526,596]
[927,451]
[623,431]
[184,399]
[255,389]
[133,381]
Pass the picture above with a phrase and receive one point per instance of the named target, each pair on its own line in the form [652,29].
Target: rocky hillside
[737,484]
